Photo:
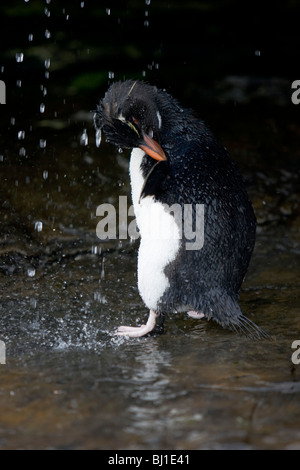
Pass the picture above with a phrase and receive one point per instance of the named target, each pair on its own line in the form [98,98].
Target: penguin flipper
[155,180]
[225,310]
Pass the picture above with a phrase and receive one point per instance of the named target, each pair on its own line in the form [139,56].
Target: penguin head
[129,117]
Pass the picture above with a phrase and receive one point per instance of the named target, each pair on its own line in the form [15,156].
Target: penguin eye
[135,121]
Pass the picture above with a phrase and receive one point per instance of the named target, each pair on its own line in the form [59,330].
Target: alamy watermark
[296,94]
[2,352]
[185,221]
[2,92]
[296,354]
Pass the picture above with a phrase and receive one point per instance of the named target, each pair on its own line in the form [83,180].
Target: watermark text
[296,94]
[163,222]
[296,354]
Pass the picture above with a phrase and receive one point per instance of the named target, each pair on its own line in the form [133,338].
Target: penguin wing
[156,180]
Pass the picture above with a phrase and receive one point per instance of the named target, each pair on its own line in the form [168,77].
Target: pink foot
[137,331]
[196,315]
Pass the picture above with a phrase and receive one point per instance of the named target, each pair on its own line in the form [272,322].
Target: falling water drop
[43,143]
[47,63]
[31,272]
[21,135]
[98,137]
[47,34]
[38,226]
[42,108]
[45,174]
[30,37]
[108,11]
[84,140]
[111,75]
[19,56]
[22,152]
[19,83]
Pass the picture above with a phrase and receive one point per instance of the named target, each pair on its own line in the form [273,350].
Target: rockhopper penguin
[184,185]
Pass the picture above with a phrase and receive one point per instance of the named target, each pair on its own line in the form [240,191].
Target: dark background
[189,48]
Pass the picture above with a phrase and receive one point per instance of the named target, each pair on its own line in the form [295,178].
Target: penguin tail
[225,310]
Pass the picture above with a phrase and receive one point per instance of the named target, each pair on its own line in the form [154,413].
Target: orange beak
[153,149]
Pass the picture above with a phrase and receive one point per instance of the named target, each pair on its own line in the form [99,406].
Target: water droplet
[45,174]
[98,137]
[47,34]
[19,56]
[111,75]
[19,83]
[108,11]
[47,63]
[1,158]
[146,23]
[21,135]
[38,226]
[30,37]
[81,4]
[13,121]
[257,53]
[147,2]
[47,12]
[84,140]
[31,272]
[120,150]
[43,143]
[102,269]
[42,108]
[22,152]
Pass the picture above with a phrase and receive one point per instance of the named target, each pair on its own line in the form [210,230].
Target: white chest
[160,237]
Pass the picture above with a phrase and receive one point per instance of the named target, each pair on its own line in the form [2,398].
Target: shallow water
[68,382]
